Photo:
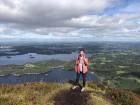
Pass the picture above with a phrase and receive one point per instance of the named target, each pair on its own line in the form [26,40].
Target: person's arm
[86,60]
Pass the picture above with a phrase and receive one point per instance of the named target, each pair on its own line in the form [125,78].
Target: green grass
[135,79]
[120,72]
[117,64]
[37,67]
[61,94]
[128,84]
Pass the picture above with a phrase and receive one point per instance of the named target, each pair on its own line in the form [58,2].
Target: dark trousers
[78,77]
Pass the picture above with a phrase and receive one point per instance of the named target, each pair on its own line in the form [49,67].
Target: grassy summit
[61,94]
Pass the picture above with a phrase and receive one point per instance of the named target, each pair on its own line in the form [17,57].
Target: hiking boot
[83,89]
[74,87]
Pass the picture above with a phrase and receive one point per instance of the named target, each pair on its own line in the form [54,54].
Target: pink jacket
[77,66]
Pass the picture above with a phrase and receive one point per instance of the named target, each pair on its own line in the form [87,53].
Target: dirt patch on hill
[72,97]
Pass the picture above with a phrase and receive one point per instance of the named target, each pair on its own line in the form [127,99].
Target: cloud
[48,13]
[91,19]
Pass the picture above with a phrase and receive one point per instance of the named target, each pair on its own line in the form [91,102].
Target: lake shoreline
[55,75]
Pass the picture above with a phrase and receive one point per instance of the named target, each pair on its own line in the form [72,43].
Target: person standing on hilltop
[81,68]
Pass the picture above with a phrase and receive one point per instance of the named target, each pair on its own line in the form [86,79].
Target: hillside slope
[62,94]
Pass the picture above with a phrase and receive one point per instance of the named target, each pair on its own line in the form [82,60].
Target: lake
[55,75]
[33,57]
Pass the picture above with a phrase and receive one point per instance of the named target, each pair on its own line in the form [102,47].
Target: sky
[69,20]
